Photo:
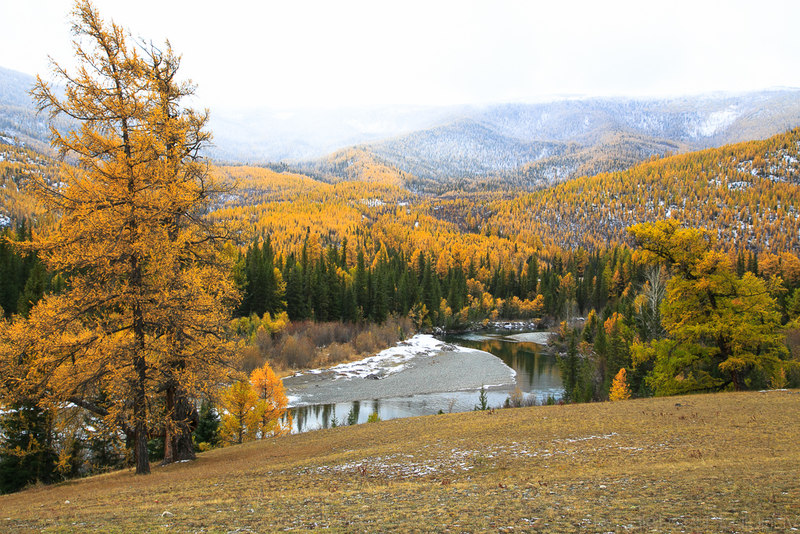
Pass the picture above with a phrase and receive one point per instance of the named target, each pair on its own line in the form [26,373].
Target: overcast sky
[329,53]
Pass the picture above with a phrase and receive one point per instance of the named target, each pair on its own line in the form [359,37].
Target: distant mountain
[268,136]
[256,135]
[18,116]
[436,149]
[531,144]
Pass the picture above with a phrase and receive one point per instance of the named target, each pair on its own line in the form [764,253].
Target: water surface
[537,377]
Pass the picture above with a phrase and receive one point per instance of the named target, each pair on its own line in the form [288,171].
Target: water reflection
[537,369]
[537,377]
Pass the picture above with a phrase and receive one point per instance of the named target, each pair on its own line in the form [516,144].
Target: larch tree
[148,290]
[619,387]
[721,330]
[237,403]
[272,404]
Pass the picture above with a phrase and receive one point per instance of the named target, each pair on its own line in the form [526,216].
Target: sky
[299,54]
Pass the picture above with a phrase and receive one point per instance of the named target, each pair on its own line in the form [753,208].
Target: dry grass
[709,463]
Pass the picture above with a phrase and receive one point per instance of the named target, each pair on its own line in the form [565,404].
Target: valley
[549,282]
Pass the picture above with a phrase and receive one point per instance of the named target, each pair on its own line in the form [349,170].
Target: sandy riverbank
[420,365]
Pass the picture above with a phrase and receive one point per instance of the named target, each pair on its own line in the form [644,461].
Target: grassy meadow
[705,463]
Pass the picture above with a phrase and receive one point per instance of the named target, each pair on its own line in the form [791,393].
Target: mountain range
[436,148]
[530,145]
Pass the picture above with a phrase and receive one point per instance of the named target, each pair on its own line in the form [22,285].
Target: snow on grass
[449,461]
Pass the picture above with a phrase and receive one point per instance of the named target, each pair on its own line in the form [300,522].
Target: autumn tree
[619,387]
[722,330]
[255,408]
[270,409]
[237,403]
[147,289]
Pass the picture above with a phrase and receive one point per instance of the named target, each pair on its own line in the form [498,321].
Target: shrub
[365,342]
[516,399]
[297,351]
[338,352]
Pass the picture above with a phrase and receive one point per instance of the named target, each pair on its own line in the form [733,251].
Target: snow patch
[715,122]
[391,360]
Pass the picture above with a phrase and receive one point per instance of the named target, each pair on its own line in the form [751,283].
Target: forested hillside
[530,146]
[746,194]
[147,294]
[17,166]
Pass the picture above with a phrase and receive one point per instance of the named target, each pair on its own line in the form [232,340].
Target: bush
[321,334]
[299,344]
[516,399]
[297,351]
[252,358]
[365,342]
[337,353]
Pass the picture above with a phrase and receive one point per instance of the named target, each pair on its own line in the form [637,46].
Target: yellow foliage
[237,403]
[619,387]
[265,419]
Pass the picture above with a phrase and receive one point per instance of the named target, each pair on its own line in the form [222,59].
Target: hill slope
[724,462]
[526,144]
[747,193]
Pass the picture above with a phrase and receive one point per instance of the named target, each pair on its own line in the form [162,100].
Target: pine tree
[207,430]
[26,446]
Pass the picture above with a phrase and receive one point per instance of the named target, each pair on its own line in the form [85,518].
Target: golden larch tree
[148,292]
[619,387]
[271,407]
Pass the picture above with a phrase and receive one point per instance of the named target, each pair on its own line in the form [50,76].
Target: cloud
[357,53]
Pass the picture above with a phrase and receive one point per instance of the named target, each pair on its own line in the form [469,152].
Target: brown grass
[706,463]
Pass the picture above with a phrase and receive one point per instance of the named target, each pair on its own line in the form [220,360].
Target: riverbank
[418,366]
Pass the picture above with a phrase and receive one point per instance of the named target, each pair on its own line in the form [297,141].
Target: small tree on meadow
[619,387]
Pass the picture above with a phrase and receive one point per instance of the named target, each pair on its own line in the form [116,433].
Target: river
[528,365]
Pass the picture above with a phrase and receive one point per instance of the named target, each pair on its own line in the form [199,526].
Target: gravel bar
[444,371]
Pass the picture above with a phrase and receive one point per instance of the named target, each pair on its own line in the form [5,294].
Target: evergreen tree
[532,277]
[569,365]
[207,430]
[26,446]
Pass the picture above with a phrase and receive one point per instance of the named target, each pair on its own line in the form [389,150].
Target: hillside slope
[748,194]
[724,462]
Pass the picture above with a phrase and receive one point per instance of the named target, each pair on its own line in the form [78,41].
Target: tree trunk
[184,423]
[169,430]
[182,419]
[140,418]
[140,368]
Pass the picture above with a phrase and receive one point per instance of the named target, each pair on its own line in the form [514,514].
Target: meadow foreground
[723,463]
